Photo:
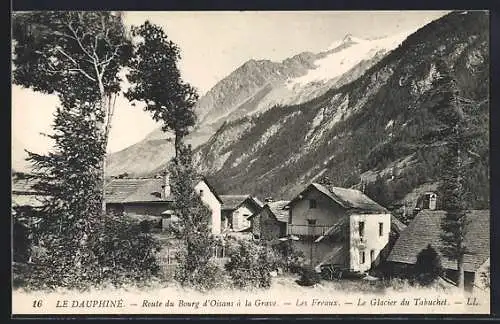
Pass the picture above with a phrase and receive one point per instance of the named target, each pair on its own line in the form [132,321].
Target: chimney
[166,184]
[432,201]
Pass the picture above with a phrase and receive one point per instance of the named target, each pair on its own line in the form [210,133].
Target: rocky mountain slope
[380,126]
[257,86]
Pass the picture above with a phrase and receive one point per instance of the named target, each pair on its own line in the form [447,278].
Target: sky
[213,44]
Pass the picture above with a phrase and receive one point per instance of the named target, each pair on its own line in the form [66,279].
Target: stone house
[150,198]
[271,221]
[235,211]
[340,226]
[425,229]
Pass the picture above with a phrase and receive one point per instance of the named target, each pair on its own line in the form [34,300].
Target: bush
[197,268]
[117,252]
[250,264]
[292,260]
[309,277]
[428,266]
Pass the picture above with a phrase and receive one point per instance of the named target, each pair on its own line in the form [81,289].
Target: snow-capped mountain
[257,86]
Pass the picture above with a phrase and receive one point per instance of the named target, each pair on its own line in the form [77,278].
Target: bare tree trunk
[460,269]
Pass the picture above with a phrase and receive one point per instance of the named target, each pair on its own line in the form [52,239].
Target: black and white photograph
[250,162]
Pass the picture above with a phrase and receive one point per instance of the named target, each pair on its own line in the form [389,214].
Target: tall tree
[78,57]
[452,190]
[156,81]
[70,175]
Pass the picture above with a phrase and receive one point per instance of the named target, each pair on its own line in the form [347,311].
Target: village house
[25,202]
[235,211]
[340,226]
[270,222]
[151,198]
[425,229]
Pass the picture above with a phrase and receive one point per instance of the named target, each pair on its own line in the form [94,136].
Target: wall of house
[215,206]
[319,251]
[370,241]
[270,228]
[326,212]
[150,209]
[255,224]
[240,216]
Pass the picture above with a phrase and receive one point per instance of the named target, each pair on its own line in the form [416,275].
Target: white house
[339,226]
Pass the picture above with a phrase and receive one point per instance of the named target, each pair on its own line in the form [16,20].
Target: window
[361,229]
[380,229]
[311,222]
[362,257]
[312,203]
[201,193]
[372,256]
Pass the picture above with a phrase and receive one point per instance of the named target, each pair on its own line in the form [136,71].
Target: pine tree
[452,190]
[70,175]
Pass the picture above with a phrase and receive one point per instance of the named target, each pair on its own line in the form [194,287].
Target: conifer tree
[452,190]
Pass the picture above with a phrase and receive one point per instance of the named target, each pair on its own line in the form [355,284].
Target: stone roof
[278,210]
[136,190]
[350,198]
[232,202]
[426,229]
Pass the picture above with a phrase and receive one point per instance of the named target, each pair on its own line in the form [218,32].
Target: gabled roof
[128,190]
[136,190]
[23,193]
[277,210]
[426,229]
[347,198]
[232,202]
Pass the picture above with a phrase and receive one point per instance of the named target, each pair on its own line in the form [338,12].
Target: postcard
[250,162]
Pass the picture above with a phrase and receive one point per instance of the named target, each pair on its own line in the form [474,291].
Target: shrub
[117,252]
[309,277]
[250,264]
[428,266]
[292,259]
[485,277]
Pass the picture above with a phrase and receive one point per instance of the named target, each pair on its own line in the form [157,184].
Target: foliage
[250,264]
[428,266]
[193,228]
[452,189]
[119,253]
[309,277]
[156,80]
[485,277]
[292,259]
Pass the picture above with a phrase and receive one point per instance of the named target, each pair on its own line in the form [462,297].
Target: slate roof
[425,229]
[232,202]
[23,186]
[350,198]
[136,190]
[277,208]
[140,190]
[23,193]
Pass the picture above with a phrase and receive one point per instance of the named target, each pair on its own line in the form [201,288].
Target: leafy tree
[76,55]
[428,266]
[156,80]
